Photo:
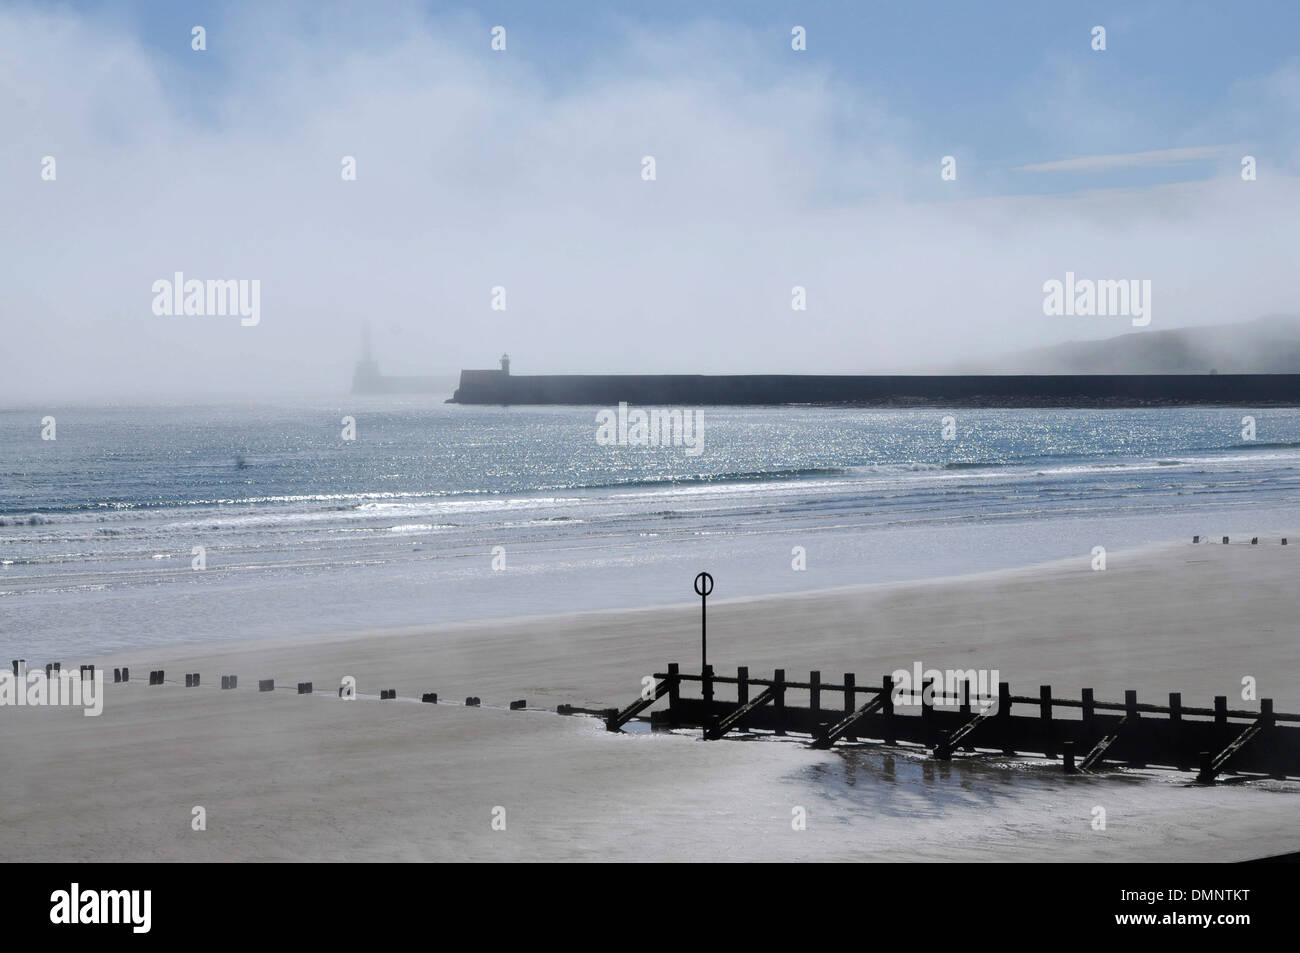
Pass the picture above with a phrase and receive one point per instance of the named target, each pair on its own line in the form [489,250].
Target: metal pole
[704,586]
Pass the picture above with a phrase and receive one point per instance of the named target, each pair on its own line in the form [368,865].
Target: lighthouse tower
[366,379]
[505,363]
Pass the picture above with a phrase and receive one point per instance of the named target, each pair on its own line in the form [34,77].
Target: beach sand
[288,777]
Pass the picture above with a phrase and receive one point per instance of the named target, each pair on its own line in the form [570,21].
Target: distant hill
[1268,345]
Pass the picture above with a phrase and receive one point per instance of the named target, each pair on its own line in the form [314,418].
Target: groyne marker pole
[703,586]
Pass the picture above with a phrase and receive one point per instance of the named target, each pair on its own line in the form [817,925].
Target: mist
[476,170]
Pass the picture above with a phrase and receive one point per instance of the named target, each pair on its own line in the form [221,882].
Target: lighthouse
[505,363]
[366,379]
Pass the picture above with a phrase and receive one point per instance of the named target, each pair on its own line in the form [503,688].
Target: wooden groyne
[1084,733]
[122,675]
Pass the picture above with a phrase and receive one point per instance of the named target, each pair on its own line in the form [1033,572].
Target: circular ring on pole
[703,584]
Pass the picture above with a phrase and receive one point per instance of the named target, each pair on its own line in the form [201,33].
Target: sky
[523,169]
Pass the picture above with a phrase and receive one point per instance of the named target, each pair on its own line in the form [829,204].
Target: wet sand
[284,777]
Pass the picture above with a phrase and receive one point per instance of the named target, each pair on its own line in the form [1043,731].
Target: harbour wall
[1081,390]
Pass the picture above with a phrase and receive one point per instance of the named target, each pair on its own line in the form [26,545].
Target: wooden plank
[1100,749]
[616,722]
[961,736]
[1215,768]
[841,728]
[729,722]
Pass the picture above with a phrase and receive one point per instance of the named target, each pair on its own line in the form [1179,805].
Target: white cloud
[474,172]
[1129,160]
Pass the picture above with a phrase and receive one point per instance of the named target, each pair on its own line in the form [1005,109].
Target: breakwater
[1047,390]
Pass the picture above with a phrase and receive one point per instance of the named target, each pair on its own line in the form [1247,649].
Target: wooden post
[850,700]
[1004,715]
[964,696]
[707,684]
[941,747]
[1221,711]
[887,709]
[927,710]
[1089,709]
[1176,722]
[1207,761]
[1067,754]
[674,694]
[1266,717]
[1045,712]
[1131,712]
[742,688]
[778,701]
[815,698]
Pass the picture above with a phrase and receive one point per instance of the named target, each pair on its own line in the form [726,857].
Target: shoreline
[682,616]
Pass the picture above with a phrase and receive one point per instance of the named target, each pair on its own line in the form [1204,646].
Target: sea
[139,526]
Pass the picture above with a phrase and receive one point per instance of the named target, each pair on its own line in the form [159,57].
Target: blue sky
[978,78]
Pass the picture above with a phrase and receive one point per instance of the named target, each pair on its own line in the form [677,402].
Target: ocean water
[304,532]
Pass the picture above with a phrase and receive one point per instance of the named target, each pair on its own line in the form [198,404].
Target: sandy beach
[288,777]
